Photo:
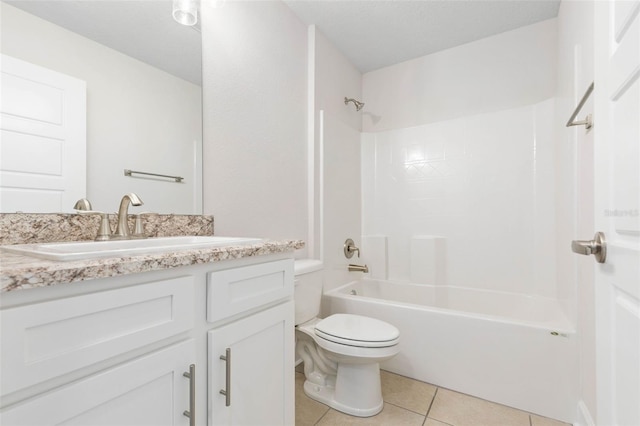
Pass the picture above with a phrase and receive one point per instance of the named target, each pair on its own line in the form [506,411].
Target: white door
[617,210]
[151,390]
[42,140]
[259,366]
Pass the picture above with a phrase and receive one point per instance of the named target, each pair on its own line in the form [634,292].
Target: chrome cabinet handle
[227,391]
[596,247]
[191,413]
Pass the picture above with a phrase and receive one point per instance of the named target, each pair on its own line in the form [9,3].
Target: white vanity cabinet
[251,372]
[115,351]
[51,340]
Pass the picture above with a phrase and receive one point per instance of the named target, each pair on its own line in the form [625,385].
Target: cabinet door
[261,366]
[150,390]
[45,340]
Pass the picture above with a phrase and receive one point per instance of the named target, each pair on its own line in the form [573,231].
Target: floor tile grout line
[431,405]
[432,400]
[439,421]
[404,408]
[322,416]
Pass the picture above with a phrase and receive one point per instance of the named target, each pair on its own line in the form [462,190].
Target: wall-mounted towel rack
[128,172]
[587,122]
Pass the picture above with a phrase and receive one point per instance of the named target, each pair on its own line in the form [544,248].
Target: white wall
[254,101]
[574,188]
[509,70]
[337,138]
[138,117]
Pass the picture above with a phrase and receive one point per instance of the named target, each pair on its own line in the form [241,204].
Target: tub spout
[358,268]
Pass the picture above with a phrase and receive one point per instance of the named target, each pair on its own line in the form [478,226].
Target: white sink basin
[97,249]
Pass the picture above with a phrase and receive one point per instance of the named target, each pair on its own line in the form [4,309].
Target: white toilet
[342,352]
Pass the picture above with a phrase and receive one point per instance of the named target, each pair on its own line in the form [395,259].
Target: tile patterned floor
[410,402]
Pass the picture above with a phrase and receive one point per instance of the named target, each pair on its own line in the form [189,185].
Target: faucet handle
[350,248]
[82,204]
[138,228]
[104,232]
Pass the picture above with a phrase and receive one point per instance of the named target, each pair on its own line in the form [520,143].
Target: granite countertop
[18,272]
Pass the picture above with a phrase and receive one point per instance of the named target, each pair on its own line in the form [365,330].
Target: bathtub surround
[28,228]
[427,263]
[468,201]
[376,249]
[463,148]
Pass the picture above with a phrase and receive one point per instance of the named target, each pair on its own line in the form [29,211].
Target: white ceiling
[142,29]
[371,33]
[377,33]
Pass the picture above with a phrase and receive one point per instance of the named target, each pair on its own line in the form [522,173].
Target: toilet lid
[356,330]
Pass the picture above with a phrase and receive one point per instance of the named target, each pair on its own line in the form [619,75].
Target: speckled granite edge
[31,228]
[22,272]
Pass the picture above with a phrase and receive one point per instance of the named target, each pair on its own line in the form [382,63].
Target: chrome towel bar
[587,122]
[128,172]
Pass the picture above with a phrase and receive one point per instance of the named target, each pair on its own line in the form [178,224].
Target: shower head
[358,104]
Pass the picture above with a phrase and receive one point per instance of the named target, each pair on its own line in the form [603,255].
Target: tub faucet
[122,229]
[358,268]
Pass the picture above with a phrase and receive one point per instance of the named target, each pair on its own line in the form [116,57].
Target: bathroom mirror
[143,97]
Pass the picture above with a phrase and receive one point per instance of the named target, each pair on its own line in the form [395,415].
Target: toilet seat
[357,330]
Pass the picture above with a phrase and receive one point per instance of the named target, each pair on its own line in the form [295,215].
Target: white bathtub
[512,349]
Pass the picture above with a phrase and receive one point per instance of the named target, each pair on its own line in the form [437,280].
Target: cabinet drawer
[150,390]
[232,291]
[45,340]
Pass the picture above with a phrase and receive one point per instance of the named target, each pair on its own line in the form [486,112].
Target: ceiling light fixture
[185,12]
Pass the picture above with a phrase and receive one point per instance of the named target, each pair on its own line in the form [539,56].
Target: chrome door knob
[596,247]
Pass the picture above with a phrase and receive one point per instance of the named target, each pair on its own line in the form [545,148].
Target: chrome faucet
[122,228]
[358,268]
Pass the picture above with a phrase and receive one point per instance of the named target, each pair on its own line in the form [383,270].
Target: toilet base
[357,390]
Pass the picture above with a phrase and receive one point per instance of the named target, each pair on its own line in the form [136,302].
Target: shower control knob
[350,248]
[596,247]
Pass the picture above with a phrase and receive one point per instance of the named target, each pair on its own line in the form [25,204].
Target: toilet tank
[308,289]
